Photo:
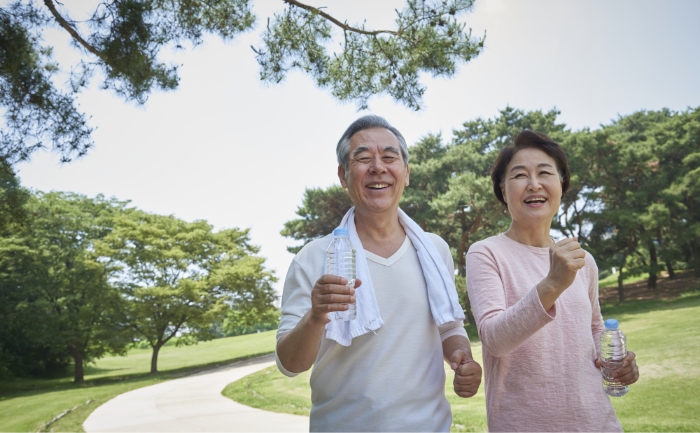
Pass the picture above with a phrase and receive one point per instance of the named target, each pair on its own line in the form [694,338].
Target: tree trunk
[462,259]
[654,261]
[468,311]
[154,358]
[78,372]
[696,263]
[669,268]
[462,271]
[620,287]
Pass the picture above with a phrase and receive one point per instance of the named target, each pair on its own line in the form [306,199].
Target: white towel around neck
[442,295]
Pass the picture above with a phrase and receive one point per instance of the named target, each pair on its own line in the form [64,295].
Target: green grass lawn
[665,337]
[26,405]
[611,280]
[663,334]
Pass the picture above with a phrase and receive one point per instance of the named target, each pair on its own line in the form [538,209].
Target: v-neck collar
[393,258]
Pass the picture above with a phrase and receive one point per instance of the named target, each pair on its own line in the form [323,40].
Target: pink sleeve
[501,329]
[597,323]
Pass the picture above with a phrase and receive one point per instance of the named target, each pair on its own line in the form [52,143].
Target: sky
[227,148]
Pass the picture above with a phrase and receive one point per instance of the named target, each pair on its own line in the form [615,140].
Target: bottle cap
[611,324]
[340,232]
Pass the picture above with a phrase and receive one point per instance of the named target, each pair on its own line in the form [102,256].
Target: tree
[179,278]
[124,39]
[641,158]
[56,287]
[12,199]
[321,212]
[682,151]
[35,110]
[19,355]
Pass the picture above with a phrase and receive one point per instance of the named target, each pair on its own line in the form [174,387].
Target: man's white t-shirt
[391,381]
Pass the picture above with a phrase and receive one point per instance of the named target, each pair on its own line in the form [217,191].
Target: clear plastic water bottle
[613,350]
[340,257]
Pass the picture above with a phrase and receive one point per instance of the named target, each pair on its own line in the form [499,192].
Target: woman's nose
[534,184]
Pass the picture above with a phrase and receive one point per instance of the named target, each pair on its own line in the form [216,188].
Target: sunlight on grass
[270,390]
[611,280]
[138,361]
[666,342]
[26,405]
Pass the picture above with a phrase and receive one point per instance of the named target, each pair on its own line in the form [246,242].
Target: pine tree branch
[335,21]
[66,25]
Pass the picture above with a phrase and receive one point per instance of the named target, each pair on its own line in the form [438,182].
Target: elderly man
[384,370]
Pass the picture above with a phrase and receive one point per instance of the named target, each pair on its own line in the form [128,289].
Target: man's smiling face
[376,173]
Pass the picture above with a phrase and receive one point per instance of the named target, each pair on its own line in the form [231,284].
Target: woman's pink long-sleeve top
[539,365]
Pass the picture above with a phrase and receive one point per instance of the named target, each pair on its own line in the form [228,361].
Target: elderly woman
[536,304]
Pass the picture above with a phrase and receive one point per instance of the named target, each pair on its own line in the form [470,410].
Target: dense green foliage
[82,277]
[34,110]
[661,333]
[57,300]
[633,201]
[124,40]
[180,277]
[320,213]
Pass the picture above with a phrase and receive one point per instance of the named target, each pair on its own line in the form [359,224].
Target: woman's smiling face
[532,187]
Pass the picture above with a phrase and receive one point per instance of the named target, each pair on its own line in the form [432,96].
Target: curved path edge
[192,404]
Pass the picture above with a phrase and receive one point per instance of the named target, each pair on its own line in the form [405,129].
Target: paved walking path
[192,404]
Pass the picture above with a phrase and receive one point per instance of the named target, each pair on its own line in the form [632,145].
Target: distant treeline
[634,201]
[82,277]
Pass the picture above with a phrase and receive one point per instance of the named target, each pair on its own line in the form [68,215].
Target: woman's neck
[532,235]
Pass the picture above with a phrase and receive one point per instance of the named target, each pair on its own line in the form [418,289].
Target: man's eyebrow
[359,150]
[522,167]
[392,149]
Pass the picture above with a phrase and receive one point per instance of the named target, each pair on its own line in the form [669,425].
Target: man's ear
[408,172]
[341,177]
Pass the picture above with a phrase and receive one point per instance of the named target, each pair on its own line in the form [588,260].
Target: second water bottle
[613,350]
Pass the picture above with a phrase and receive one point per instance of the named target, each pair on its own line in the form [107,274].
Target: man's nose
[377,165]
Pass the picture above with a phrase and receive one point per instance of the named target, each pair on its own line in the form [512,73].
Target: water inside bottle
[613,349]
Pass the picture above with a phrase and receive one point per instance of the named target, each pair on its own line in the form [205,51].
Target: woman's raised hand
[566,257]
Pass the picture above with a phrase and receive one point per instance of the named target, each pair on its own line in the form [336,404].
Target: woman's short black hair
[524,140]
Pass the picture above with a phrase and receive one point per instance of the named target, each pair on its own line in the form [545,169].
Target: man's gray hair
[342,150]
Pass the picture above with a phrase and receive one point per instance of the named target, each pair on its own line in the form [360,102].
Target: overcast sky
[228,149]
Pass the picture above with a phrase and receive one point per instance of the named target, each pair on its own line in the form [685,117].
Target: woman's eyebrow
[522,167]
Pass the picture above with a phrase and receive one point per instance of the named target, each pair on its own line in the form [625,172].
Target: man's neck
[382,235]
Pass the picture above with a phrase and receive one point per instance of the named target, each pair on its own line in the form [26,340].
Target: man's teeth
[378,185]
